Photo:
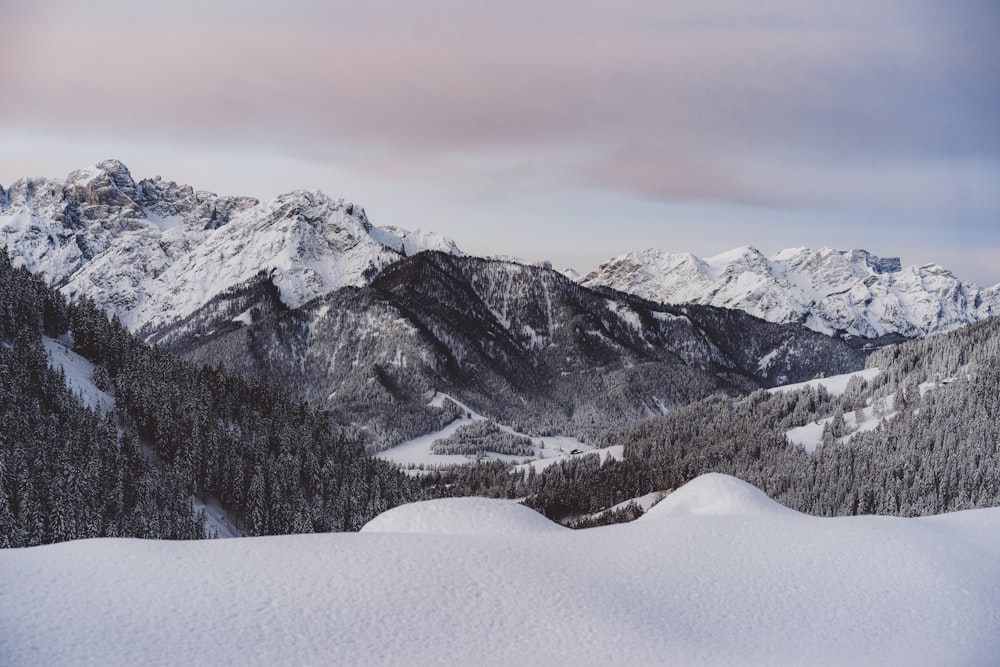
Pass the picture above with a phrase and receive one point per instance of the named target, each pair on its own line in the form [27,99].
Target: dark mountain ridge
[521,343]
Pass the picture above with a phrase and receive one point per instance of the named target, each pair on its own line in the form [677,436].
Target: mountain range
[830,291]
[520,343]
[153,252]
[372,322]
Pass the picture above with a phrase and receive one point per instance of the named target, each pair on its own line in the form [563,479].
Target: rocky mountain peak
[154,251]
[107,185]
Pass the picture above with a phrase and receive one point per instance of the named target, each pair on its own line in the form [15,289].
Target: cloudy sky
[562,130]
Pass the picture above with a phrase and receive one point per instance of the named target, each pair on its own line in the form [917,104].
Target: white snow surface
[835,385]
[417,451]
[462,516]
[730,580]
[418,240]
[831,290]
[79,374]
[715,494]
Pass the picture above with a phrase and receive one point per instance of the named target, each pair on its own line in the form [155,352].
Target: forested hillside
[176,433]
[921,437]
[930,441]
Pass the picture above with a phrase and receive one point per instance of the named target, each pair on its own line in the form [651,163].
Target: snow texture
[715,494]
[462,516]
[719,576]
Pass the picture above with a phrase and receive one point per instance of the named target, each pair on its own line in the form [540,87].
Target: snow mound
[719,495]
[461,516]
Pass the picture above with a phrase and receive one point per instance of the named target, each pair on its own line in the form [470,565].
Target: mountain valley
[368,337]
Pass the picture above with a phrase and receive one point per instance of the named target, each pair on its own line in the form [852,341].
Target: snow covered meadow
[714,574]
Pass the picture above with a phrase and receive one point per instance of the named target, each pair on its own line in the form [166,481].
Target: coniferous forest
[177,433]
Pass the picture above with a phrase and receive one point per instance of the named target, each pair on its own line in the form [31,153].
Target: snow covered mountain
[153,251]
[829,291]
[522,344]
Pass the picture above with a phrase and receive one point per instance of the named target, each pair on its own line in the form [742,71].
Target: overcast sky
[570,131]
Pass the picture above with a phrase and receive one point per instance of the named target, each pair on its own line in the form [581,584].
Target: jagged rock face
[522,343]
[829,291]
[169,201]
[153,252]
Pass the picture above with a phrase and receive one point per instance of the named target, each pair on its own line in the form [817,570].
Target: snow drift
[716,494]
[462,516]
[750,585]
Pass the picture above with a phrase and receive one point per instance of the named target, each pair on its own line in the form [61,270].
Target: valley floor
[714,574]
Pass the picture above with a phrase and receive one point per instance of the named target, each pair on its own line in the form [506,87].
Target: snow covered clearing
[811,434]
[79,374]
[615,452]
[417,452]
[835,385]
[217,522]
[716,574]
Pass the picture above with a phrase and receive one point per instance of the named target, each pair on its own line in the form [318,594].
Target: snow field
[79,374]
[719,575]
[462,516]
[417,452]
[835,385]
[811,435]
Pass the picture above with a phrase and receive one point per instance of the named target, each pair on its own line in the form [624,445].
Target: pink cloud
[670,100]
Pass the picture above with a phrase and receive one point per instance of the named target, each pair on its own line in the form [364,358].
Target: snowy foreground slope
[715,574]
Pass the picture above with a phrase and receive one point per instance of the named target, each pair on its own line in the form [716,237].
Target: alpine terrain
[177,365]
[835,292]
[152,252]
[293,336]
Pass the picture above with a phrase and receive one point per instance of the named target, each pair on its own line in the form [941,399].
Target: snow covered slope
[79,373]
[738,581]
[828,290]
[462,516]
[154,252]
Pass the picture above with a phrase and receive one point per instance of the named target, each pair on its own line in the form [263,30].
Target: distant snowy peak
[155,251]
[828,290]
[419,240]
